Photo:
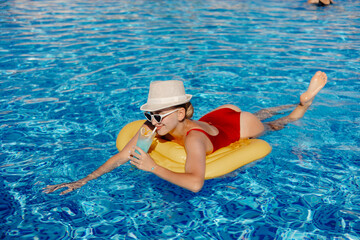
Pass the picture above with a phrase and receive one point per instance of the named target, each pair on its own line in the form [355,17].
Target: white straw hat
[164,94]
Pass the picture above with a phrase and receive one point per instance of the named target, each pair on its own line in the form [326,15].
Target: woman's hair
[189,109]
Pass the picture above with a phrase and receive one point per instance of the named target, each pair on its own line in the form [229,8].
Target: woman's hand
[71,187]
[142,161]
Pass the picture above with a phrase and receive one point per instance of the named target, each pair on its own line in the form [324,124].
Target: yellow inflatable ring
[172,156]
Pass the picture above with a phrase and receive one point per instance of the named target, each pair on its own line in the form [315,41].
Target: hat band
[166,100]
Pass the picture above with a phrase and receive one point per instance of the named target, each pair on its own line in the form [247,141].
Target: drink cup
[145,139]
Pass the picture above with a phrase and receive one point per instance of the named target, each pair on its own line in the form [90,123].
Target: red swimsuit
[227,121]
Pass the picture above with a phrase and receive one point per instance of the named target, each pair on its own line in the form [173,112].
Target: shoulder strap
[197,129]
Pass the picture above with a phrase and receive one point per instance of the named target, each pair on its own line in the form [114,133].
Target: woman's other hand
[142,161]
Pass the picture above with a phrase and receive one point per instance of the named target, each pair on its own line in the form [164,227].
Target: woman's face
[169,120]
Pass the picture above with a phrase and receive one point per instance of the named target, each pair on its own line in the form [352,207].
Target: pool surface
[73,73]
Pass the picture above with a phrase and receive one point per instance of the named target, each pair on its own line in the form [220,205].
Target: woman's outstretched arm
[112,163]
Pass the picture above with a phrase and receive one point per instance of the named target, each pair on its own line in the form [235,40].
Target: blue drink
[145,139]
[144,143]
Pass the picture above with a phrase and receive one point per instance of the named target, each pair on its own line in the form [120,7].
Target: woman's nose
[153,121]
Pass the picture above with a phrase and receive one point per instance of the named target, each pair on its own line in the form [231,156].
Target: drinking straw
[154,131]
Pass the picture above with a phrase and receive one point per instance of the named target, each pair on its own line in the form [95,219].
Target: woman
[321,2]
[169,110]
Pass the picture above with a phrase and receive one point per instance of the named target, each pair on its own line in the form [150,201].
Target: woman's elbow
[197,186]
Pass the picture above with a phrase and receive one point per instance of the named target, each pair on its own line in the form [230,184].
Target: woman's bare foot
[317,82]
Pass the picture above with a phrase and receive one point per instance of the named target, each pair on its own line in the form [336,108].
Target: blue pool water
[73,73]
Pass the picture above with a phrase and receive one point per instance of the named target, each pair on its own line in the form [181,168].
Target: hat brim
[156,107]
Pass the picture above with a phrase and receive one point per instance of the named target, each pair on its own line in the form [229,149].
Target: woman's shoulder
[197,135]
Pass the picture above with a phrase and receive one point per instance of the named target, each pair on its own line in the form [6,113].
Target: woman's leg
[270,112]
[251,125]
[317,82]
